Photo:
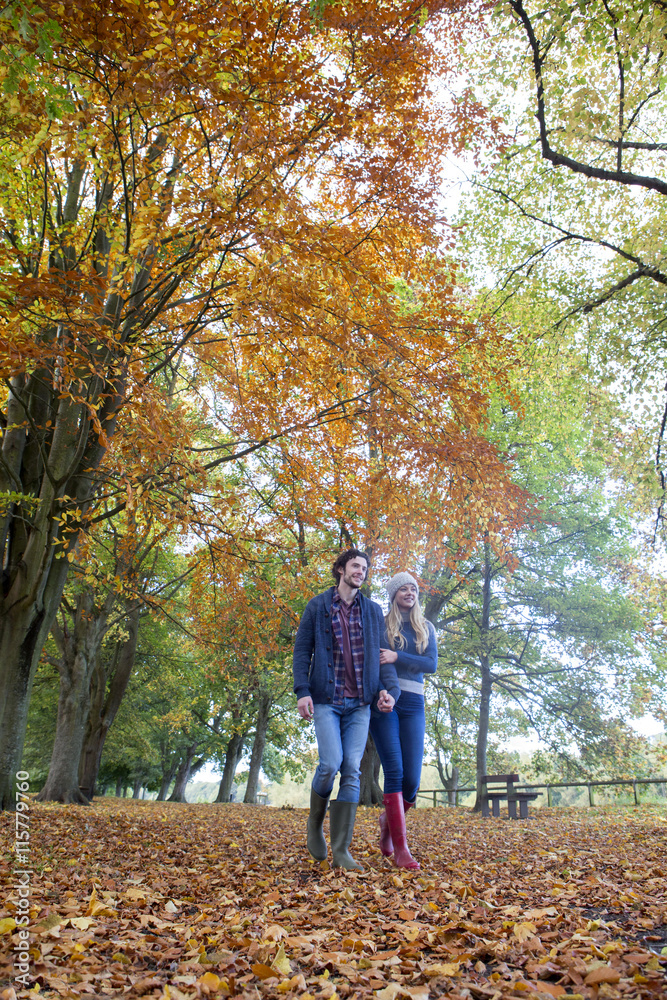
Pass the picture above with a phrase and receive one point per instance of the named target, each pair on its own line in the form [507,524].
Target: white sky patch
[647,726]
[522,744]
[209,772]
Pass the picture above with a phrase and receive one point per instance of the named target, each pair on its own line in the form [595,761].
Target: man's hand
[305,707]
[388,656]
[385,701]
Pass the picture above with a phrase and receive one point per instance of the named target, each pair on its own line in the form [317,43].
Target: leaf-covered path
[134,899]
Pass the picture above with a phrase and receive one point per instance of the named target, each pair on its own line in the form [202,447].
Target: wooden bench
[503,786]
[523,796]
[497,787]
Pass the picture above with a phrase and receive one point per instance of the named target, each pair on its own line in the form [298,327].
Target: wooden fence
[590,785]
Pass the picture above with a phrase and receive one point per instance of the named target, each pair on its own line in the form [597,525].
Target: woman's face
[406,597]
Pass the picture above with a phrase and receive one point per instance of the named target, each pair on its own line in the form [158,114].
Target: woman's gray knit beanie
[398,581]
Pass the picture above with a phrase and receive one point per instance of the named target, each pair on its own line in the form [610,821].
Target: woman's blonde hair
[394,623]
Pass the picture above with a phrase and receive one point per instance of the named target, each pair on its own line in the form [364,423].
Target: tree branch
[560,159]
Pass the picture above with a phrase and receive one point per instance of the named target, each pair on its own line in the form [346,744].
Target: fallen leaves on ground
[160,900]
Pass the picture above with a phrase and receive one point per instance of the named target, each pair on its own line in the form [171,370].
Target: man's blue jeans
[399,738]
[341,732]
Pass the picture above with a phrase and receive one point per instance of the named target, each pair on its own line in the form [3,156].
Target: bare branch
[618,176]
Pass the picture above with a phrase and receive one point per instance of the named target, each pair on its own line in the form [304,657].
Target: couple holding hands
[354,667]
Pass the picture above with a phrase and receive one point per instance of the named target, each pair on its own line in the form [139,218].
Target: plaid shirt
[356,645]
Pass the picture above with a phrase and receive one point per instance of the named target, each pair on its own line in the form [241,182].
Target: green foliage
[574,257]
[165,708]
[10,497]
[42,717]
[573,636]
[567,225]
[317,9]
[23,54]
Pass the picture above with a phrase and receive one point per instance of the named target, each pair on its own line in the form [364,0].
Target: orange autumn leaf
[603,974]
[264,971]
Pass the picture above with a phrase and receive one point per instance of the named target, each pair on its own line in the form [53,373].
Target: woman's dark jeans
[399,738]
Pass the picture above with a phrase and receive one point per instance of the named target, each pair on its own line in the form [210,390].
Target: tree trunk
[164,787]
[486,680]
[62,783]
[452,785]
[452,782]
[370,792]
[100,723]
[185,769]
[119,788]
[136,788]
[91,758]
[168,774]
[33,542]
[261,728]
[449,780]
[182,778]
[24,627]
[91,753]
[79,653]
[232,757]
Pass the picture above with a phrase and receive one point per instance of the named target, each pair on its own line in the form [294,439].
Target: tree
[42,718]
[212,201]
[452,712]
[108,684]
[79,647]
[573,211]
[118,579]
[370,792]
[562,637]
[593,73]
[161,735]
[244,622]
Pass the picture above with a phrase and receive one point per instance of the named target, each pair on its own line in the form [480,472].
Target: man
[337,675]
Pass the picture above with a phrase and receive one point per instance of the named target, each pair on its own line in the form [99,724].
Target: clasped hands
[305,705]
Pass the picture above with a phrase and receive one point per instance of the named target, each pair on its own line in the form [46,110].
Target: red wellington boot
[393,806]
[386,843]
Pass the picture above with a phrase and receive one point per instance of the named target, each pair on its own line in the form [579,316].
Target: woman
[399,735]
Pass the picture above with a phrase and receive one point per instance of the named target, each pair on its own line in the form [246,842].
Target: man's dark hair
[344,558]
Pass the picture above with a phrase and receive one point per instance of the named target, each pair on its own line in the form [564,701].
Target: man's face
[354,572]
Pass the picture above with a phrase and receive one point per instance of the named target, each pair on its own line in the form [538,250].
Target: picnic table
[498,787]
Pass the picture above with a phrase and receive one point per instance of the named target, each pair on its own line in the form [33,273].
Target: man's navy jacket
[313,663]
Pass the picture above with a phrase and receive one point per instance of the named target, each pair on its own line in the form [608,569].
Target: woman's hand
[388,656]
[385,701]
